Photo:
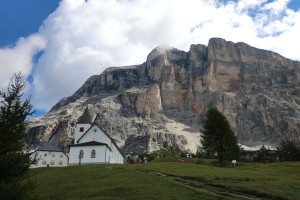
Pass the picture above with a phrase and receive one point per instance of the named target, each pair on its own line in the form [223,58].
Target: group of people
[131,160]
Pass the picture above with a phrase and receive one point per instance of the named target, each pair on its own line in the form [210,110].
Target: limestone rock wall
[165,98]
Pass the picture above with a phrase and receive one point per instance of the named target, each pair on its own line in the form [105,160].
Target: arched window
[81,154]
[93,154]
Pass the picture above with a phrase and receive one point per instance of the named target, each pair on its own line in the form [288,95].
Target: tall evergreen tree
[14,158]
[218,138]
[289,151]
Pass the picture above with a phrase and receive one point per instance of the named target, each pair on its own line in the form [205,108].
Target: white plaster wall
[103,155]
[95,134]
[115,156]
[78,134]
[49,158]
[100,154]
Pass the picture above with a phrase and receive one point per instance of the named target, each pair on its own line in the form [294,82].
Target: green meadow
[169,179]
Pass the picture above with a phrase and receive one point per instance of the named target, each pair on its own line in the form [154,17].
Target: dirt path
[214,189]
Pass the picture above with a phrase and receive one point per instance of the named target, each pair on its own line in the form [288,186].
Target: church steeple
[83,124]
[85,118]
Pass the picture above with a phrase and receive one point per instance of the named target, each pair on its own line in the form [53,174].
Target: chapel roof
[50,147]
[85,118]
[91,143]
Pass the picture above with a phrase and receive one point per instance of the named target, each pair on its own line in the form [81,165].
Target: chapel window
[93,154]
[81,129]
[81,154]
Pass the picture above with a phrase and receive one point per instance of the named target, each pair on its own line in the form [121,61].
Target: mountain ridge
[141,105]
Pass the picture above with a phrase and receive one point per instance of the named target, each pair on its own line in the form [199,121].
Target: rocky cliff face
[165,98]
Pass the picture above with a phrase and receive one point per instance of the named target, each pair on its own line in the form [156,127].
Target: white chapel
[92,145]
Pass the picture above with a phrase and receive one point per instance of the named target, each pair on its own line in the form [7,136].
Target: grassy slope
[138,181]
[107,182]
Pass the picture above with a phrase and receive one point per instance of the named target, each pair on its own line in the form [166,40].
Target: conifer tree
[289,151]
[218,138]
[14,158]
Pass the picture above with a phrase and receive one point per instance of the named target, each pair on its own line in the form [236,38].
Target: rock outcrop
[165,98]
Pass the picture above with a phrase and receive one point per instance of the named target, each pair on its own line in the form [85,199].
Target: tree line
[218,141]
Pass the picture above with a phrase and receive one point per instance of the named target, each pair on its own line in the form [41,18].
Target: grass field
[169,180]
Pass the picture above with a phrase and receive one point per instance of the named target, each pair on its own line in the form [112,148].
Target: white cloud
[276,7]
[84,38]
[245,5]
[19,58]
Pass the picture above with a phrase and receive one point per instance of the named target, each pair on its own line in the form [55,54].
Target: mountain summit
[165,99]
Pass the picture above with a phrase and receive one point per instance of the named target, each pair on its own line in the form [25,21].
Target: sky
[57,45]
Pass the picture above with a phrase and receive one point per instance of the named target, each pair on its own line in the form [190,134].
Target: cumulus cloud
[85,37]
[18,58]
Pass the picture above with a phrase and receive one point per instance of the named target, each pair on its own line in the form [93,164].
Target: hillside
[169,180]
[165,99]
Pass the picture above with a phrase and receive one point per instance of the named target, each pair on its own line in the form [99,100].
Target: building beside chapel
[49,156]
[92,145]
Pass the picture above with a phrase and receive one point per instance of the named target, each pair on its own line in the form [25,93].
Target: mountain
[164,100]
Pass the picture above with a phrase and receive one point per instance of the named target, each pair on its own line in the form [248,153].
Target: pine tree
[262,154]
[14,158]
[289,151]
[218,138]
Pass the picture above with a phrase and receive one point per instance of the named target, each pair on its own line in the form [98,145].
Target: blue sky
[295,5]
[20,18]
[58,52]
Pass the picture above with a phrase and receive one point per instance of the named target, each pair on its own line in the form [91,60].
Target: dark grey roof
[50,148]
[92,143]
[85,118]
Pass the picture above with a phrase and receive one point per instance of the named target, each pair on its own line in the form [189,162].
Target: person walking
[145,159]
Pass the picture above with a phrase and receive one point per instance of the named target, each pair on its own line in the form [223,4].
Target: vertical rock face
[144,101]
[165,98]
